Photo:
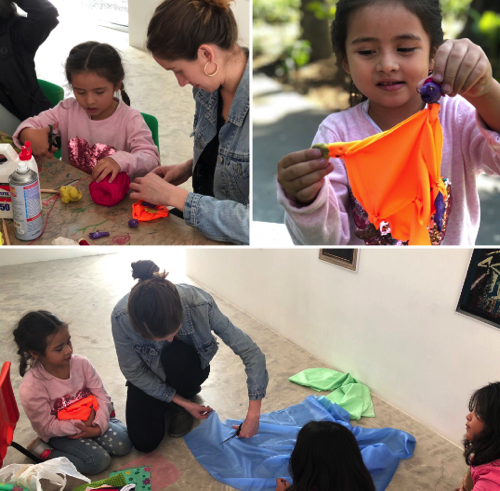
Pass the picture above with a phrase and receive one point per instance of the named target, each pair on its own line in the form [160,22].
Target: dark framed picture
[346,258]
[480,297]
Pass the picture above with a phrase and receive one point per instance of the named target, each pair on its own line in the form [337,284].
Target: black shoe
[181,423]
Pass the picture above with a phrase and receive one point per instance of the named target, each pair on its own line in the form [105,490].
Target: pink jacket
[469,149]
[486,477]
[41,393]
[125,131]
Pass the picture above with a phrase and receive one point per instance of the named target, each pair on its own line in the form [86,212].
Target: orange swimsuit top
[395,175]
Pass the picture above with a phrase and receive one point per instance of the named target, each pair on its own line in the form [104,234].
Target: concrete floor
[83,292]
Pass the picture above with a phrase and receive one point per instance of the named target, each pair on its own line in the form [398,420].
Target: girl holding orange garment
[64,397]
[389,47]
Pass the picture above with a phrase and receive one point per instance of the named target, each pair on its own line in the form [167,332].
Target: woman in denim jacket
[164,342]
[196,39]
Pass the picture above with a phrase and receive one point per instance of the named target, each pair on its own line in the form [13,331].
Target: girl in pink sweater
[482,440]
[100,134]
[389,48]
[64,397]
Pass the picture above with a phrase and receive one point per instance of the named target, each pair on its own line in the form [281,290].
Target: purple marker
[98,235]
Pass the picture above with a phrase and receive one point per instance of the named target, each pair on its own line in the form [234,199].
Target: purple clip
[430,91]
[98,235]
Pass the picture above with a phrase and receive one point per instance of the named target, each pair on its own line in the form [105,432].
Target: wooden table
[76,219]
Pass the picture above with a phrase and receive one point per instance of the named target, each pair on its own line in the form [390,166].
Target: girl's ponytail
[125,97]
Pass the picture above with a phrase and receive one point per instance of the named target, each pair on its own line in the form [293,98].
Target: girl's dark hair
[326,457]
[486,446]
[428,11]
[100,58]
[31,334]
[7,9]
[179,27]
[154,304]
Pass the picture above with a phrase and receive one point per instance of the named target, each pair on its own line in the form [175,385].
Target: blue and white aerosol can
[25,195]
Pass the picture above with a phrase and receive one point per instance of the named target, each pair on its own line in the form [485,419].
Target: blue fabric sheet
[254,464]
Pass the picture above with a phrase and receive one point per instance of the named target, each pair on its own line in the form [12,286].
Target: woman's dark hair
[486,446]
[428,11]
[100,58]
[326,457]
[31,334]
[154,304]
[179,27]
[7,9]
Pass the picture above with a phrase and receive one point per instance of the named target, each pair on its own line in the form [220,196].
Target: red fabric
[80,409]
[141,213]
[106,194]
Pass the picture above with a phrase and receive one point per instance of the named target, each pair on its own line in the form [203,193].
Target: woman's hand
[462,68]
[281,484]
[250,426]
[39,140]
[197,411]
[86,431]
[103,168]
[91,418]
[301,174]
[154,189]
[175,174]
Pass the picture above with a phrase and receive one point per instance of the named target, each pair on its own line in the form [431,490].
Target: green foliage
[295,56]
[455,8]
[276,11]
[322,10]
[487,27]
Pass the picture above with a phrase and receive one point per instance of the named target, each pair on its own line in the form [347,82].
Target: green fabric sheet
[348,392]
[117,480]
[11,487]
[140,476]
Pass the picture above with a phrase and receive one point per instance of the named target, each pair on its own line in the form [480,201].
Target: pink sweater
[486,477]
[41,393]
[125,131]
[469,149]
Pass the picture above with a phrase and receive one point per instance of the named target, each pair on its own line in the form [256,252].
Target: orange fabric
[80,409]
[395,175]
[139,212]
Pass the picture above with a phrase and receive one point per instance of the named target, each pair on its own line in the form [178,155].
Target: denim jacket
[139,358]
[226,216]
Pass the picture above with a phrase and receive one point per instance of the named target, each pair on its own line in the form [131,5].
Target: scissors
[238,431]
[54,140]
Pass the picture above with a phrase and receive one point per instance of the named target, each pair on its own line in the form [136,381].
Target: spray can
[26,202]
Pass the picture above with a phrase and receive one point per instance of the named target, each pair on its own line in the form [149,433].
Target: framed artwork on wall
[480,297]
[346,258]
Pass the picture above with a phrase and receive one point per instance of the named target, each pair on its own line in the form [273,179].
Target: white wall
[141,11]
[392,325]
[9,257]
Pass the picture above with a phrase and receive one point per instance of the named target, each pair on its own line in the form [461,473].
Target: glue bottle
[25,195]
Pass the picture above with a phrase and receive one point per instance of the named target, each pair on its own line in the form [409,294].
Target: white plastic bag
[29,475]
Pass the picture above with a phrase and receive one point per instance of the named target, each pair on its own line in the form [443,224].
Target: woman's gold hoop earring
[210,74]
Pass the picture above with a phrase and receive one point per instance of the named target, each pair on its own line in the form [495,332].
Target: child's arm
[95,385]
[36,405]
[325,220]
[143,156]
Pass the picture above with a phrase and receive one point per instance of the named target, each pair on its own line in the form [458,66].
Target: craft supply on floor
[97,234]
[117,480]
[70,193]
[110,194]
[63,241]
[348,392]
[133,223]
[255,463]
[11,487]
[163,472]
[146,214]
[140,476]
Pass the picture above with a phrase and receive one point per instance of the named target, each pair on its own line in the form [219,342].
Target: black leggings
[146,415]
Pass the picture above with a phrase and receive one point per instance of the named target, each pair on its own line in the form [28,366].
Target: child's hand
[301,174]
[281,484]
[87,431]
[103,168]
[39,140]
[462,68]
[91,418]
[175,174]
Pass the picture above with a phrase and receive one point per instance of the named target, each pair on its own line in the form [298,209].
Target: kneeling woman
[164,342]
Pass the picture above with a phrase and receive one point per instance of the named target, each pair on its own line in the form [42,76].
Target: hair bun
[221,4]
[144,270]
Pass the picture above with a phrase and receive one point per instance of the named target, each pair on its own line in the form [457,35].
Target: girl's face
[387,54]
[192,72]
[474,426]
[59,350]
[95,94]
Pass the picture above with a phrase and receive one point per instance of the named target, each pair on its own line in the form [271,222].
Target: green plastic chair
[152,122]
[55,94]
